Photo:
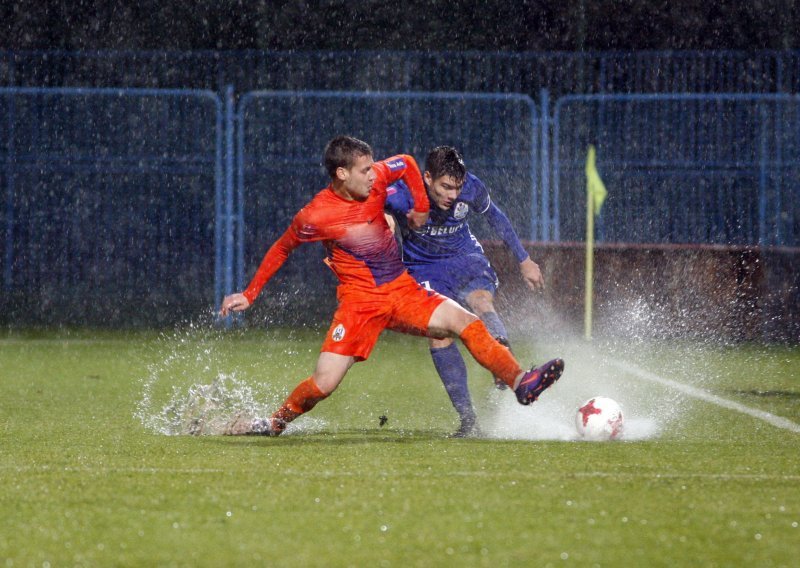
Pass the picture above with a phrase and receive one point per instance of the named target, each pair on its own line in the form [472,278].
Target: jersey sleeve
[496,218]
[481,197]
[300,231]
[502,226]
[403,167]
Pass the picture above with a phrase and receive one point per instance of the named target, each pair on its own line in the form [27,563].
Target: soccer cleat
[241,425]
[244,424]
[537,380]
[469,428]
[268,427]
[499,383]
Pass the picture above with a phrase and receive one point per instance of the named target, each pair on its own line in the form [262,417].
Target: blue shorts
[457,277]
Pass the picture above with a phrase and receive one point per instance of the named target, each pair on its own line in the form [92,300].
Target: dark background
[511,25]
[69,257]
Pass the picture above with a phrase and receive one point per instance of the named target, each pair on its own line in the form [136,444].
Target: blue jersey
[446,233]
[444,255]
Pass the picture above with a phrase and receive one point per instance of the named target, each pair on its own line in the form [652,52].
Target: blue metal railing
[112,187]
[498,134]
[683,168]
[99,184]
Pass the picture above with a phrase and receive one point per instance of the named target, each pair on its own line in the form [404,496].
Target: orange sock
[489,353]
[303,398]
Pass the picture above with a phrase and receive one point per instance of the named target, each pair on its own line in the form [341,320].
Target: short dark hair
[445,161]
[342,151]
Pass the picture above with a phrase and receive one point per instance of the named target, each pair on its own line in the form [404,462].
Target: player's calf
[499,383]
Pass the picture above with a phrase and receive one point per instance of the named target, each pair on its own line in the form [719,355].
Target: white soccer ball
[599,418]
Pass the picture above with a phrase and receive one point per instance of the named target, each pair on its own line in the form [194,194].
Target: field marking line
[105,470]
[454,473]
[774,420]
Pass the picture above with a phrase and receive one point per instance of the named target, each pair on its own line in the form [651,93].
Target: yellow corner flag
[595,188]
[595,196]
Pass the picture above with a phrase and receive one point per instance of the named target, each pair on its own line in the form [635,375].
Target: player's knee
[464,319]
[440,343]
[326,383]
[481,302]
[328,379]
[483,307]
[449,320]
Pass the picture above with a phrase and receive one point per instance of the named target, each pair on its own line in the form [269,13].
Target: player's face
[357,181]
[443,190]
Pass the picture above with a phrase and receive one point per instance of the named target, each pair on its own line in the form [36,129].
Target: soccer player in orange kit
[375,292]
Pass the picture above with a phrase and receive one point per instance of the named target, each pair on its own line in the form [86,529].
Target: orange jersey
[361,248]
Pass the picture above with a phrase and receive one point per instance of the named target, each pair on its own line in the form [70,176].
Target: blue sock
[453,371]
[494,325]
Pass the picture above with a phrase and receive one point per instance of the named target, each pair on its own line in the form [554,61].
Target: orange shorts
[400,305]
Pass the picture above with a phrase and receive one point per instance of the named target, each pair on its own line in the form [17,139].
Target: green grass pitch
[85,483]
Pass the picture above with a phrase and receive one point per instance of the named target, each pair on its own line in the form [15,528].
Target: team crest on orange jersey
[338,333]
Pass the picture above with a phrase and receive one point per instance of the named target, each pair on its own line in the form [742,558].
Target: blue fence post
[535,169]
[762,179]
[555,166]
[540,227]
[228,253]
[8,267]
[406,126]
[777,177]
[219,221]
[240,161]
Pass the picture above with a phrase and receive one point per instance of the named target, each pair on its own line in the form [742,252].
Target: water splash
[636,330]
[198,409]
[190,388]
[552,417]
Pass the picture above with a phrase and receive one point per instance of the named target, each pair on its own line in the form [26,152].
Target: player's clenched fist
[416,219]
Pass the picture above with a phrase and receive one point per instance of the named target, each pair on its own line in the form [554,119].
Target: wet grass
[85,483]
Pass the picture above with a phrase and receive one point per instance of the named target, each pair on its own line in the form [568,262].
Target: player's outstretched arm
[531,272]
[234,303]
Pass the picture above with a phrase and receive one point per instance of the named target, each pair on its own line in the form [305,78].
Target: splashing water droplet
[188,391]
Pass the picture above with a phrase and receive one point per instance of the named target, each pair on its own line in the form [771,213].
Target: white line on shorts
[777,421]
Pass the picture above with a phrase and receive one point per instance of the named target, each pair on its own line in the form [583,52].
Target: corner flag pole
[595,195]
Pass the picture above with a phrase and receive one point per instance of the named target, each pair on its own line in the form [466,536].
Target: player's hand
[234,303]
[390,221]
[532,274]
[416,219]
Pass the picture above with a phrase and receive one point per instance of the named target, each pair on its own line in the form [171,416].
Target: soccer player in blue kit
[444,256]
